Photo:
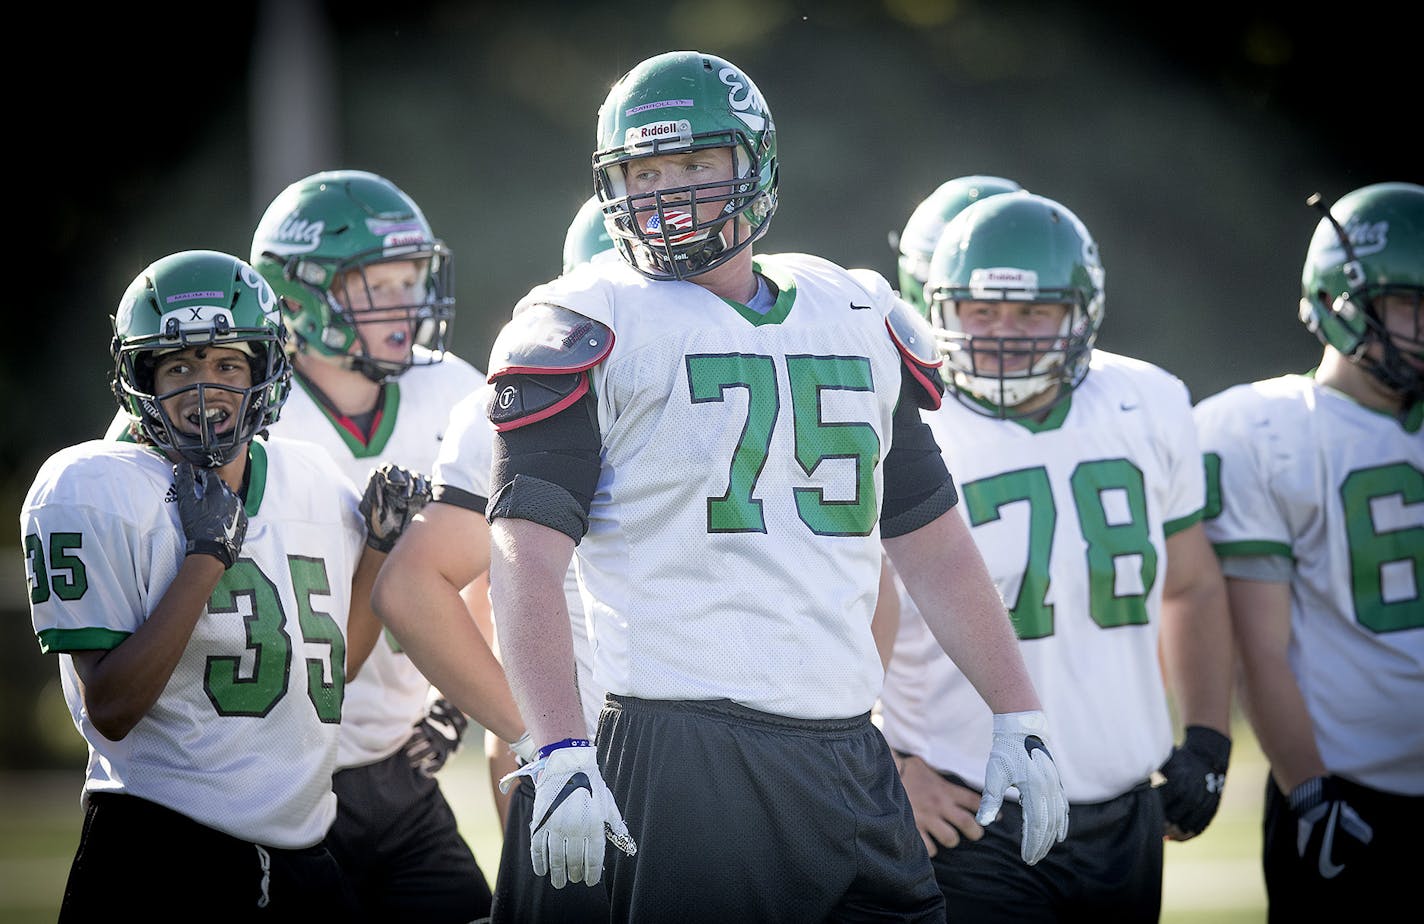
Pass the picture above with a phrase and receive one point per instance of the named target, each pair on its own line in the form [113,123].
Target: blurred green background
[1186,136]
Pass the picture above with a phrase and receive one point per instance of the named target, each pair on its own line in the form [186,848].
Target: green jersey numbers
[252,683]
[64,574]
[816,440]
[1386,565]
[1110,502]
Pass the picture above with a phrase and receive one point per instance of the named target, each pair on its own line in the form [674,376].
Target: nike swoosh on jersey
[855,307]
[1329,870]
[1127,407]
[572,785]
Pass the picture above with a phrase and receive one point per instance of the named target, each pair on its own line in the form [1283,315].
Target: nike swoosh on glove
[1196,774]
[573,813]
[1327,827]
[1018,757]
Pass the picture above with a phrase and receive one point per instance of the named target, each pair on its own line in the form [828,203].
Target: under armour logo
[1215,782]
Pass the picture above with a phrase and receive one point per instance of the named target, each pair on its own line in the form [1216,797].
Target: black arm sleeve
[918,486]
[547,471]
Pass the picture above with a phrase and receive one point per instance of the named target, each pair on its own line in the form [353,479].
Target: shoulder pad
[913,335]
[915,339]
[549,339]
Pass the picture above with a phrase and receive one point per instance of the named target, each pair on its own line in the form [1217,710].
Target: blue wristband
[548,749]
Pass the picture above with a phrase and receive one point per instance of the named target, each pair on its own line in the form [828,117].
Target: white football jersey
[243,738]
[464,463]
[1337,489]
[390,694]
[1071,517]
[733,549]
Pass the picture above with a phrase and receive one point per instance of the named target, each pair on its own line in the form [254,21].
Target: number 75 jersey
[733,548]
[243,737]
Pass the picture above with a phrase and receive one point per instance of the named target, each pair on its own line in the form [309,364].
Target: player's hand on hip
[436,737]
[944,811]
[393,496]
[214,521]
[1195,775]
[1330,834]
[573,813]
[1019,758]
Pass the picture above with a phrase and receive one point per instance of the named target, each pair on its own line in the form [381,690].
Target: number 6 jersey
[1335,492]
[243,737]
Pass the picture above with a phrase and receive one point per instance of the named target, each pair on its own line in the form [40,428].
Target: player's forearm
[120,686]
[1197,654]
[945,576]
[362,626]
[1260,614]
[531,618]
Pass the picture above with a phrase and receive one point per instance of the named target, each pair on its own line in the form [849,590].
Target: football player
[1320,526]
[916,243]
[1082,485]
[196,586]
[370,298]
[727,440]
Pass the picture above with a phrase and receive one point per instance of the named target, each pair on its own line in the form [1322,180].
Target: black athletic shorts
[398,841]
[744,816]
[1109,868]
[140,861]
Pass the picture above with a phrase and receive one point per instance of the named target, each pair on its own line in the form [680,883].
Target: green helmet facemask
[316,242]
[1018,247]
[1369,245]
[200,298]
[675,103]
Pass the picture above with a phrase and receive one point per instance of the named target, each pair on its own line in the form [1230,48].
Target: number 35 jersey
[733,548]
[1071,517]
[243,737]
[1336,490]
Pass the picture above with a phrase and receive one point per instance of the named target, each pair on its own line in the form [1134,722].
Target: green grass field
[1214,879]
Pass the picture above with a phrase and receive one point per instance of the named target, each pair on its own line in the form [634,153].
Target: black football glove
[1330,835]
[393,497]
[1196,773]
[436,737]
[214,522]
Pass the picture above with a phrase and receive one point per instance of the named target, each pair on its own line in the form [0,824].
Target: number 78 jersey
[1071,516]
[733,548]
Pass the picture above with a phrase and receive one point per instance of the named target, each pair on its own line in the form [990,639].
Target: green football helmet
[1023,248]
[1369,244]
[672,103]
[199,298]
[587,236]
[327,225]
[916,243]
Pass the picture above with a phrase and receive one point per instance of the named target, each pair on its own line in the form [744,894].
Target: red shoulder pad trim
[548,339]
[507,394]
[914,338]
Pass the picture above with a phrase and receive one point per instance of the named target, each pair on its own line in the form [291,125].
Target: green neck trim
[785,296]
[385,423]
[256,477]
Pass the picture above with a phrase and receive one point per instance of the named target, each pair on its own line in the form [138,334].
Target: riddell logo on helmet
[679,130]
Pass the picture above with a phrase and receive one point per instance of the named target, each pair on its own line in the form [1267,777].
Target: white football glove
[1019,758]
[573,813]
